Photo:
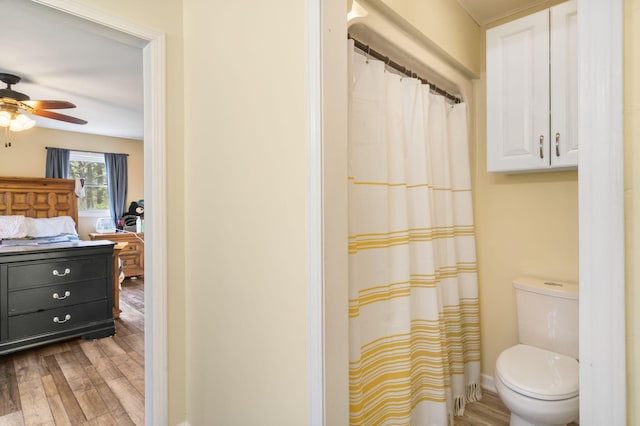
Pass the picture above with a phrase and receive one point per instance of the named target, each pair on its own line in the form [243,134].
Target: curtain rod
[81,150]
[402,69]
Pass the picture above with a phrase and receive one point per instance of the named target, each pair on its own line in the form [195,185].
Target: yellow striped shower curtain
[413,309]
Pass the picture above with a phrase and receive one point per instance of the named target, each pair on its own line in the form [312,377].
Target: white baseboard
[184,423]
[487,383]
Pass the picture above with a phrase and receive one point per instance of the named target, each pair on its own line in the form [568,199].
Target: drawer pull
[58,274]
[59,321]
[66,294]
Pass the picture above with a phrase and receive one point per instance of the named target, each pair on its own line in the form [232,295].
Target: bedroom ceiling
[62,57]
[487,11]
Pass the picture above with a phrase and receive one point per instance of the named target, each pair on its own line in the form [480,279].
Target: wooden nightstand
[132,255]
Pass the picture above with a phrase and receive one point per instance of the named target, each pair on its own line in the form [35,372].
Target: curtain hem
[474,393]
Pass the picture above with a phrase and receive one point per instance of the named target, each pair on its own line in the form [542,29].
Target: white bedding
[13,227]
[28,227]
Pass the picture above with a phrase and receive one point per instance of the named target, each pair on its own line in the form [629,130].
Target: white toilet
[538,379]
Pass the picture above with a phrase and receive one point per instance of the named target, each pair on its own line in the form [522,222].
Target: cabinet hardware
[541,143]
[58,274]
[66,294]
[557,144]
[59,321]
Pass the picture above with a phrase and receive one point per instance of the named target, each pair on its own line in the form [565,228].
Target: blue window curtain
[118,182]
[57,165]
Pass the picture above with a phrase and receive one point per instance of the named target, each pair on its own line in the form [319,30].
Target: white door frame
[327,283]
[601,213]
[155,331]
[315,267]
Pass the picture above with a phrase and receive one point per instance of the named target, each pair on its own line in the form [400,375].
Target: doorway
[153,54]
[601,208]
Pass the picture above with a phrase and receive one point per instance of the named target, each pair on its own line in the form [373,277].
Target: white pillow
[13,227]
[50,226]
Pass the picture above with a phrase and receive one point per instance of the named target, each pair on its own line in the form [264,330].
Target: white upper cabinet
[532,92]
[564,85]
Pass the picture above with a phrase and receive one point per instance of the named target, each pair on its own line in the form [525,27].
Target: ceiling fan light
[28,124]
[21,122]
[5,118]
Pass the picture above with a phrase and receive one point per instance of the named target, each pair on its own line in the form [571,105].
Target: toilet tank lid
[564,289]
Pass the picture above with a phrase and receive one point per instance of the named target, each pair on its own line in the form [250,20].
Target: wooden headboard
[38,197]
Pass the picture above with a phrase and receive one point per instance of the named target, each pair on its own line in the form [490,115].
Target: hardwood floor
[490,411]
[80,382]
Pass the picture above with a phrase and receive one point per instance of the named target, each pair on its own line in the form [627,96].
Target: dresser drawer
[131,262]
[55,296]
[59,319]
[33,274]
[134,248]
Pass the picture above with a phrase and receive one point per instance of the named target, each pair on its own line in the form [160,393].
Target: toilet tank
[548,314]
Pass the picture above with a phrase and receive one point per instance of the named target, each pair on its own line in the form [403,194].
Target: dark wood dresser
[55,291]
[132,255]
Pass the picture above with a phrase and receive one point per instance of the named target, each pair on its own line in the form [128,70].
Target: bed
[38,197]
[57,289]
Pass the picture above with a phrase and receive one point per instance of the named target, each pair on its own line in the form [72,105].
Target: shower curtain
[413,311]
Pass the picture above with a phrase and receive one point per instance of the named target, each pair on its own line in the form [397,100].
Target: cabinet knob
[59,321]
[557,144]
[541,143]
[66,294]
[58,274]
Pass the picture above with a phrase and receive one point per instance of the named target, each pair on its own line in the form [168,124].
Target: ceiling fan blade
[46,104]
[57,116]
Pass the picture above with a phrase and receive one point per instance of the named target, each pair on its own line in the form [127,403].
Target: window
[90,167]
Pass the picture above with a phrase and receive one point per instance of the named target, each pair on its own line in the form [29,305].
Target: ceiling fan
[13,104]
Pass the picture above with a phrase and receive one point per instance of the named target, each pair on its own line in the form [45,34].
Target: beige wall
[632,203]
[236,71]
[245,191]
[27,154]
[526,224]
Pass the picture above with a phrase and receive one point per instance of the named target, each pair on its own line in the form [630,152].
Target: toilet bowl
[539,387]
[538,379]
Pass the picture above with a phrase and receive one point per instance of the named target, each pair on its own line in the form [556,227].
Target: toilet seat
[538,373]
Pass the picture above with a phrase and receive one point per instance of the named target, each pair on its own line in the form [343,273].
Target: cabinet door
[564,85]
[518,94]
